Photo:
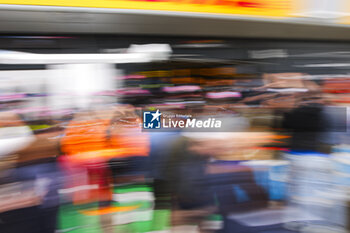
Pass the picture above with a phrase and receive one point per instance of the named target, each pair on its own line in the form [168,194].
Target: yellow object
[109,210]
[262,8]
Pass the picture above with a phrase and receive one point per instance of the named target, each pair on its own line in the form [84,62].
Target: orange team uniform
[89,143]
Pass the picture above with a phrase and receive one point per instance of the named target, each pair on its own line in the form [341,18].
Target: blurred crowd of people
[85,159]
[279,164]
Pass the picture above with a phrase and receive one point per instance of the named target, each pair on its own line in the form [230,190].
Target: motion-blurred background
[77,77]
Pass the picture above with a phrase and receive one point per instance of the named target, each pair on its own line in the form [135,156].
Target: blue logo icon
[151,120]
